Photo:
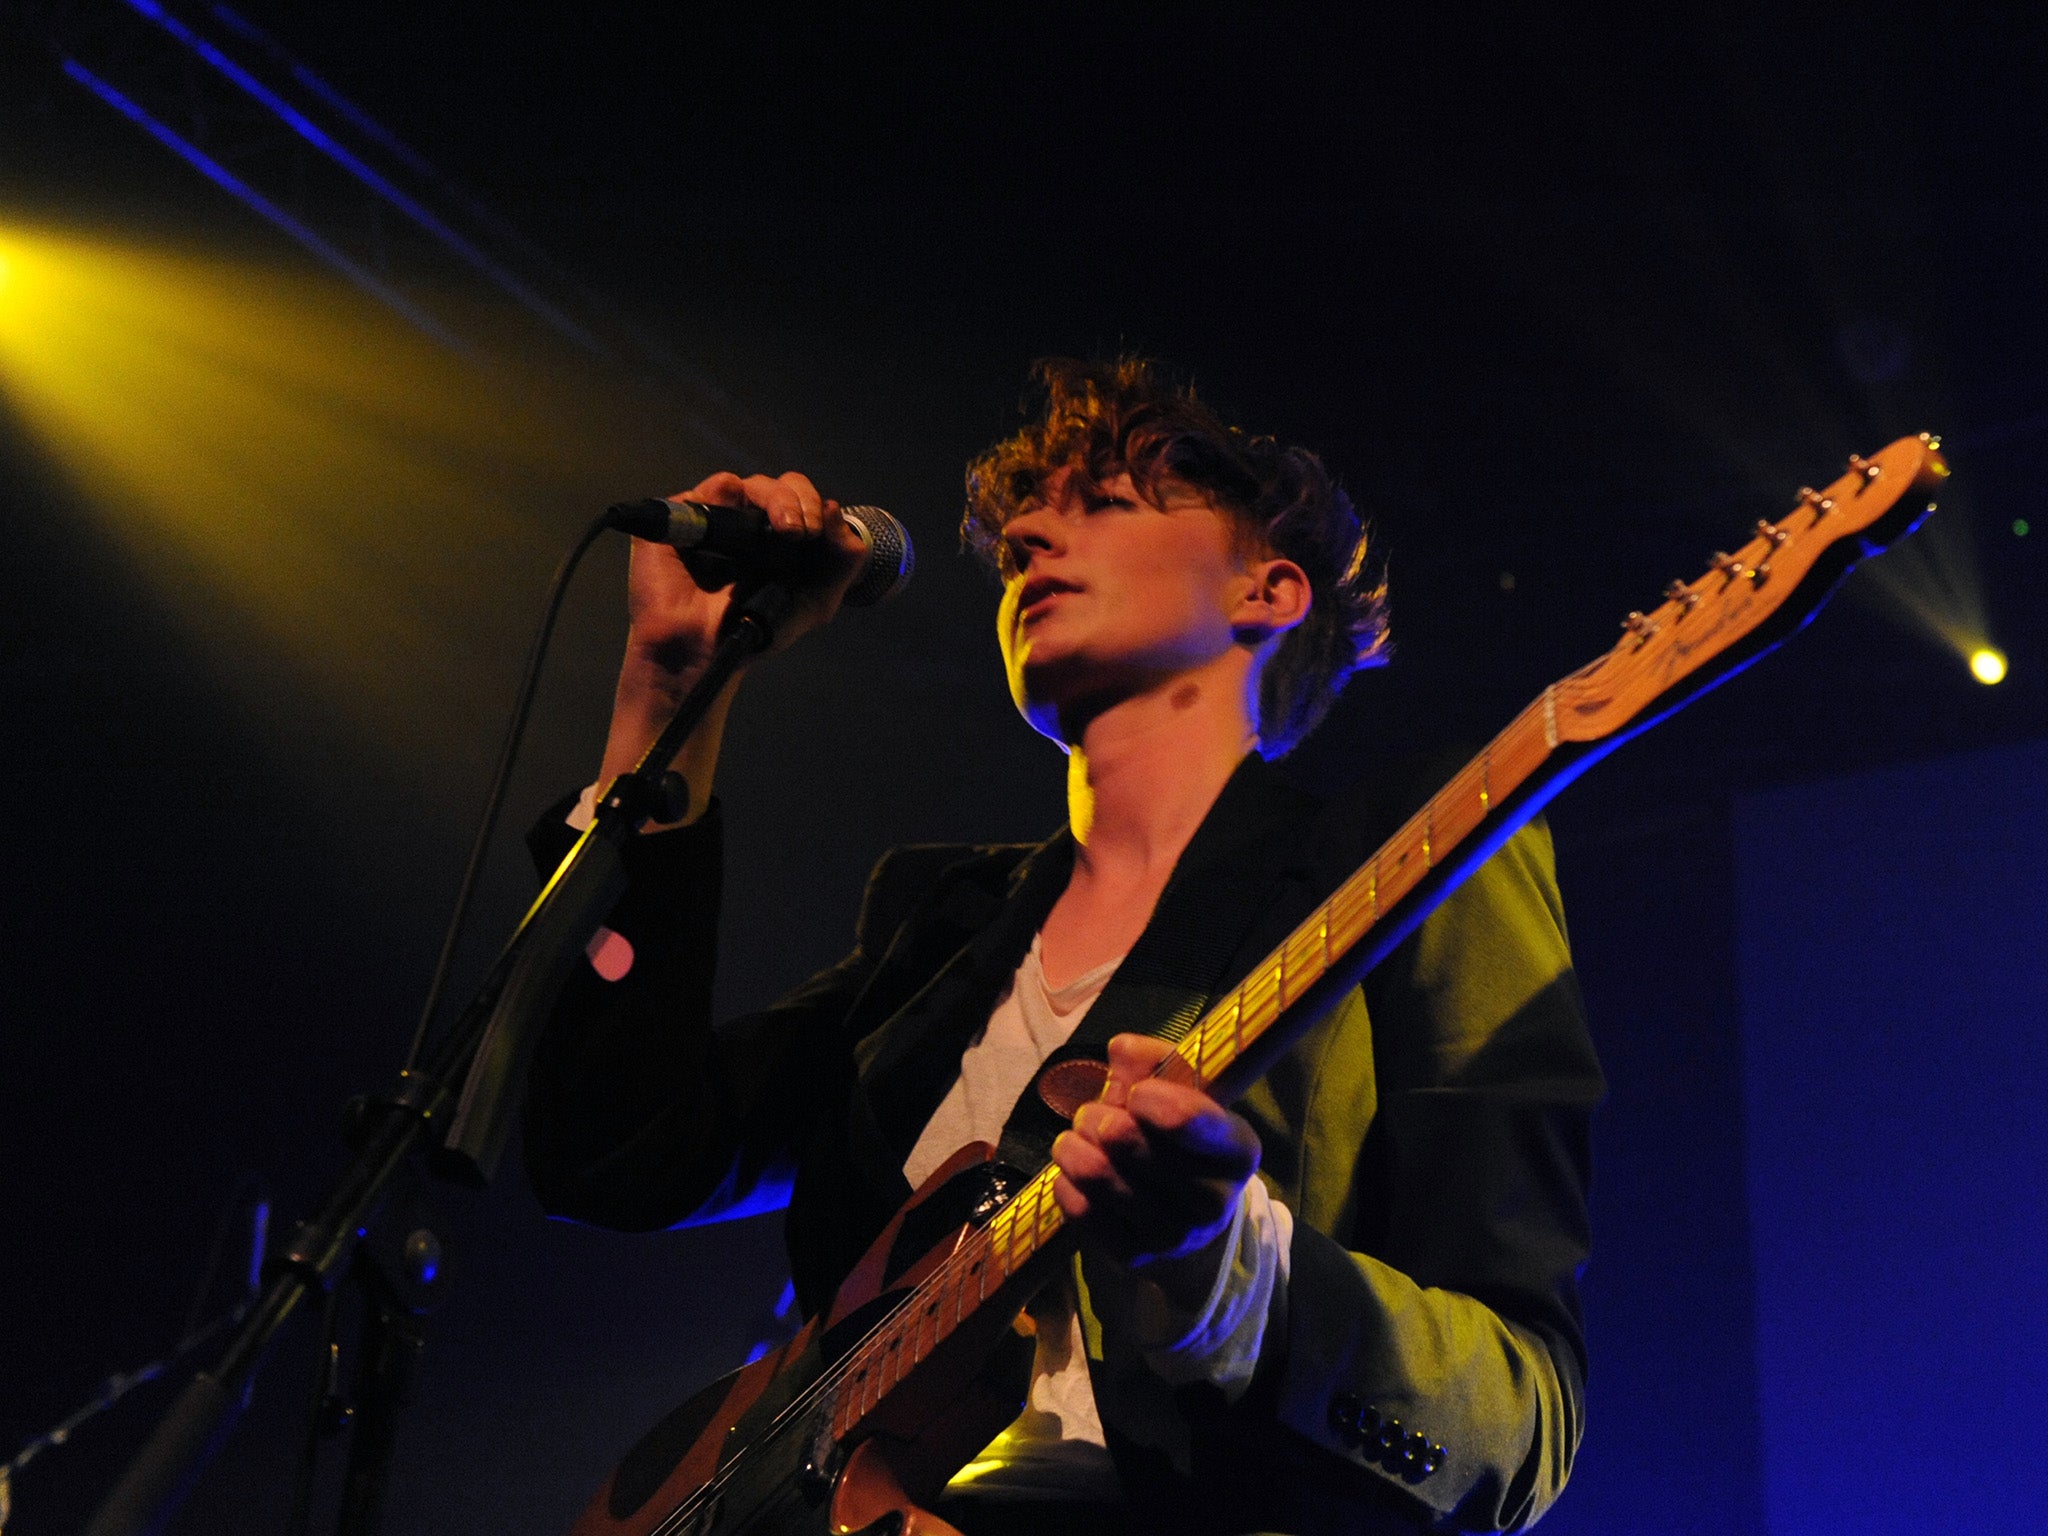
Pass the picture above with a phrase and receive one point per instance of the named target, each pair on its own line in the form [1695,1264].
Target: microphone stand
[478,1072]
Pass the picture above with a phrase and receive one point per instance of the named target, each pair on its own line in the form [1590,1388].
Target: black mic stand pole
[477,1071]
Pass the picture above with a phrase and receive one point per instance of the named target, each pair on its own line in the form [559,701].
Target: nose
[1037,531]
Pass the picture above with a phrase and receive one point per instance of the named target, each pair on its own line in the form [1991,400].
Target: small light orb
[2021,527]
[1987,665]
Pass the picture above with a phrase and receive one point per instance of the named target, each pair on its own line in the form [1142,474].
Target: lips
[1037,589]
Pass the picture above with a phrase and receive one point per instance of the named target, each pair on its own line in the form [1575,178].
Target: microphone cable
[494,802]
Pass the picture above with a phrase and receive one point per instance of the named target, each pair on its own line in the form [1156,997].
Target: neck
[1145,771]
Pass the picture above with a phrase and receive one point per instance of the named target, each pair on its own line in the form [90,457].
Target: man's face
[1112,594]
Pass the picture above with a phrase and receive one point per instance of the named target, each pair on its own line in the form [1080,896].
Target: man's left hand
[1152,1172]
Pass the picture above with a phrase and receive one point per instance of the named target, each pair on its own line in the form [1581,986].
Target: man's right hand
[674,624]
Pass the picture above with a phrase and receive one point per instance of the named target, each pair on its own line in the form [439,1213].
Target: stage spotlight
[1932,583]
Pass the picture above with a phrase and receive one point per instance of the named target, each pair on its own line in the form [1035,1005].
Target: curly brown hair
[1128,416]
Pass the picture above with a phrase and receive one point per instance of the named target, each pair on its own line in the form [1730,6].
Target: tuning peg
[1639,625]
[1931,440]
[1729,566]
[1869,469]
[1821,505]
[1772,535]
[1678,592]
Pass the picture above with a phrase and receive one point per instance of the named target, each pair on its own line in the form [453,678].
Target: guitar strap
[1226,881]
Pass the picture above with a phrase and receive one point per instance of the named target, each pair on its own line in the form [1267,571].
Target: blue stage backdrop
[1894,982]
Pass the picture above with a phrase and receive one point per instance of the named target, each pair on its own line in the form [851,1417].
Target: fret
[1033,1219]
[1262,987]
[901,1358]
[925,1322]
[1346,929]
[1012,1219]
[1350,911]
[1301,966]
[932,1327]
[885,1377]
[1005,1228]
[1261,1004]
[962,1272]
[864,1397]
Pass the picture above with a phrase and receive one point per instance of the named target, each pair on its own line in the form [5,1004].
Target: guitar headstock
[1709,628]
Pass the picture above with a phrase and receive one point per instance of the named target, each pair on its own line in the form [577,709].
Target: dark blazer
[1429,1136]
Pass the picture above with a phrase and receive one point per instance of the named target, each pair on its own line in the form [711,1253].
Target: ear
[1274,598]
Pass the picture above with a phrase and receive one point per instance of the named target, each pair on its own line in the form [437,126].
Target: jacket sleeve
[639,1114]
[1437,1343]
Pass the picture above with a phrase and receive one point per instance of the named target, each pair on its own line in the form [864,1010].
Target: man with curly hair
[1346,1302]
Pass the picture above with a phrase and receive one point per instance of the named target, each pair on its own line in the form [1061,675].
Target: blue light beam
[225,179]
[321,140]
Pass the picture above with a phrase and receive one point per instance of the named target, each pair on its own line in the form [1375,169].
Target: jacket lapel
[908,1064]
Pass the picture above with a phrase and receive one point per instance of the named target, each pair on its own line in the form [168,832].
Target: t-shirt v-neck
[1030,1022]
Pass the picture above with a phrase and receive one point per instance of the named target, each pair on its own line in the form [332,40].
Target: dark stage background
[1567,305]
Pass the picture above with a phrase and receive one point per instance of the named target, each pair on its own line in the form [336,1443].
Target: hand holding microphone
[688,551]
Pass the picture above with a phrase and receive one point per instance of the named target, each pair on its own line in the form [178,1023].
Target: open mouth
[1039,590]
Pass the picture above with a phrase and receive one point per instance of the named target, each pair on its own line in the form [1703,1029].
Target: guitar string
[1629,666]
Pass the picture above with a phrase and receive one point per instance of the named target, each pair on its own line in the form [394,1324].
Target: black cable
[508,754]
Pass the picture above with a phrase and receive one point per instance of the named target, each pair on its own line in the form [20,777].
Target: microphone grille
[890,560]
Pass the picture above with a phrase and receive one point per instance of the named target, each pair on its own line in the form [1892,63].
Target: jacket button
[1368,1422]
[1389,1438]
[1432,1460]
[1345,1409]
[1414,1451]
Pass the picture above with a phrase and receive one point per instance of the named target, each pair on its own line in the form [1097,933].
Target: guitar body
[757,1450]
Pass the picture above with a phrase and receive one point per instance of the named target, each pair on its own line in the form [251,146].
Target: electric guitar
[922,1360]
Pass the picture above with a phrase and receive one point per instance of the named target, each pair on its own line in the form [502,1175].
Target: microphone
[720,544]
